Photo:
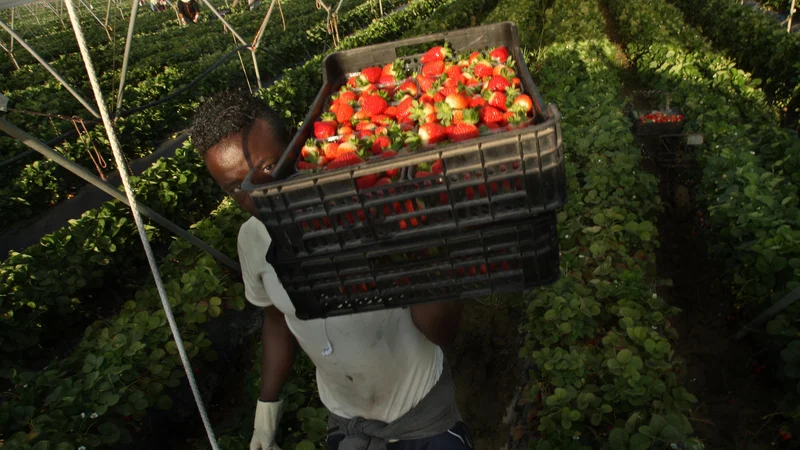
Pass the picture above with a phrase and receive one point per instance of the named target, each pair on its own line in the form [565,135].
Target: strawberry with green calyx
[477,101]
[511,94]
[360,116]
[353,82]
[504,71]
[444,113]
[522,103]
[428,83]
[495,99]
[381,119]
[326,127]
[379,144]
[395,68]
[438,53]
[421,112]
[407,87]
[453,72]
[470,117]
[310,151]
[457,101]
[426,167]
[365,125]
[344,129]
[498,84]
[432,133]
[331,150]
[516,119]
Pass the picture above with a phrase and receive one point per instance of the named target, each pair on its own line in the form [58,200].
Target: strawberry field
[646,341]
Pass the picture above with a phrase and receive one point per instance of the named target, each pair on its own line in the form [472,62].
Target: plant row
[749,183]
[43,183]
[50,283]
[126,363]
[599,341]
[758,43]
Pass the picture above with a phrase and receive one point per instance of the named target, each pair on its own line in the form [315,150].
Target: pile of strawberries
[383,111]
[659,117]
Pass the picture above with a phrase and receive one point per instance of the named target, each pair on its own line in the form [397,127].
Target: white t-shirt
[381,365]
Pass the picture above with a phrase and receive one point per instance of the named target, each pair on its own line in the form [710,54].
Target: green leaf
[305,445]
[650,345]
[596,418]
[624,356]
[215,311]
[565,328]
[640,442]
[618,439]
[172,348]
[215,301]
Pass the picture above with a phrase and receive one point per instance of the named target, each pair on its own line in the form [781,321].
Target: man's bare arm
[438,321]
[278,346]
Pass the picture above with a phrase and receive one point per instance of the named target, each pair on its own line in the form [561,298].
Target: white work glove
[266,425]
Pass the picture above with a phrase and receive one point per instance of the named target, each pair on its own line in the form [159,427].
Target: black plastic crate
[644,102]
[315,214]
[464,265]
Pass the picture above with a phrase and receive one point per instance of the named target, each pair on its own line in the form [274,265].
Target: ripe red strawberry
[386,80]
[431,133]
[352,82]
[391,111]
[393,173]
[344,129]
[477,101]
[367,181]
[371,74]
[426,83]
[388,154]
[364,134]
[437,167]
[404,108]
[438,53]
[381,130]
[344,113]
[500,54]
[304,165]
[408,87]
[496,99]
[380,143]
[473,56]
[483,70]
[344,160]
[346,147]
[331,150]
[373,104]
[421,174]
[360,116]
[437,97]
[452,82]
[346,97]
[498,83]
[325,129]
[453,72]
[433,69]
[462,132]
[383,181]
[516,81]
[523,103]
[445,91]
[368,89]
[489,114]
[457,101]
[365,125]
[420,111]
[381,119]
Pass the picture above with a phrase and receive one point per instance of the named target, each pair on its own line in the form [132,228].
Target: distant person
[189,11]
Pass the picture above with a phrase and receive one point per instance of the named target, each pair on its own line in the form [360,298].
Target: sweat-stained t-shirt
[381,364]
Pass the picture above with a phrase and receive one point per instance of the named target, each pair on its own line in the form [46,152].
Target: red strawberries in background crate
[383,111]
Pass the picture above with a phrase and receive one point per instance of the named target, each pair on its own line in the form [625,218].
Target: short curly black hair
[229,112]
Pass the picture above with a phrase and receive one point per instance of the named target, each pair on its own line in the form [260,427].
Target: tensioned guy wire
[123,173]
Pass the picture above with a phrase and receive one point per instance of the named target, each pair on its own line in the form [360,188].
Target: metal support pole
[225,22]
[791,15]
[92,179]
[380,6]
[120,159]
[50,69]
[91,11]
[256,41]
[11,55]
[108,12]
[35,16]
[127,55]
[11,38]
[47,4]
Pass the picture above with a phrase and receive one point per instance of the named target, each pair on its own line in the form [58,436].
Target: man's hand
[438,321]
[268,414]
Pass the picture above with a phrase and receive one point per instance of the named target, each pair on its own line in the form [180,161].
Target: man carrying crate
[381,374]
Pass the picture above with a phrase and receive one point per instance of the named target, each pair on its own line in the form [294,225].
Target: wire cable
[116,148]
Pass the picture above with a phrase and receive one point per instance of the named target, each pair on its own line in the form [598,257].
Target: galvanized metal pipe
[50,69]
[92,179]
[126,57]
